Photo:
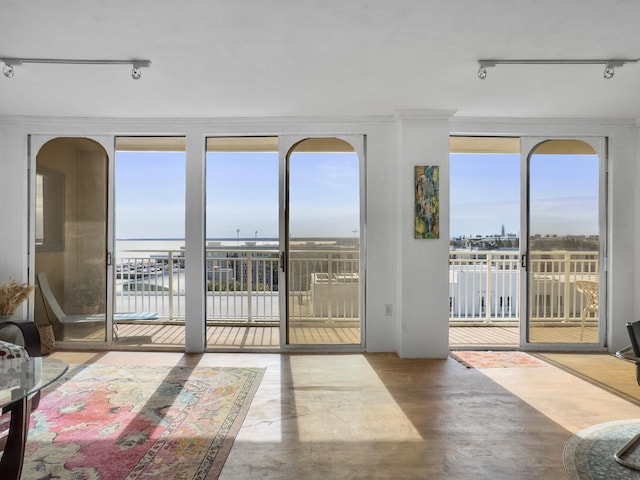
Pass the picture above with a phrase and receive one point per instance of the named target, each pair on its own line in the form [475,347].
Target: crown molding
[529,126]
[423,114]
[194,121]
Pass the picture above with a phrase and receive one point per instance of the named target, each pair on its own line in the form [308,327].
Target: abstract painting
[427,202]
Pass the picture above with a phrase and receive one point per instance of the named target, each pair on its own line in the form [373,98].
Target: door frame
[528,145]
[286,142]
[107,142]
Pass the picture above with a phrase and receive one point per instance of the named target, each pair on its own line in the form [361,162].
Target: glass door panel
[149,277]
[323,244]
[484,273]
[564,243]
[71,239]
[242,253]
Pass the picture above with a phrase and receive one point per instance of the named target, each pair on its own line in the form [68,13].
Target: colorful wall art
[427,199]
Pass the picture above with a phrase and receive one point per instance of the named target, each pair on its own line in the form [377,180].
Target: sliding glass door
[242,281]
[283,248]
[69,220]
[484,277]
[540,281]
[149,279]
[322,256]
[563,254]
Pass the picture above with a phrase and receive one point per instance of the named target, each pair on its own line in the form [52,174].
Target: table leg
[13,456]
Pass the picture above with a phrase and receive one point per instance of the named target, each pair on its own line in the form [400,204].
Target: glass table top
[20,377]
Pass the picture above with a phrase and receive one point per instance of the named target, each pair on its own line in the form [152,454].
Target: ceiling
[255,58]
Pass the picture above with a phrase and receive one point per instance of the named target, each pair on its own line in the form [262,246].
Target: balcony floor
[509,337]
[144,335]
[253,337]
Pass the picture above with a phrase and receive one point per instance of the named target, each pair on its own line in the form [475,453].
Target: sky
[242,195]
[485,194]
[150,194]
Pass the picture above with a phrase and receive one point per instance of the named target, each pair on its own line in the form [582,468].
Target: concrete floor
[375,416]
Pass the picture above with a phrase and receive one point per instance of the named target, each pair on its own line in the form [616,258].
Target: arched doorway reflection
[71,238]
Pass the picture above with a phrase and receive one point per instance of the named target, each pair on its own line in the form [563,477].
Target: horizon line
[224,238]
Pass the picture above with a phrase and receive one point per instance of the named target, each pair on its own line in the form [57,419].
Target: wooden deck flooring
[145,335]
[509,337]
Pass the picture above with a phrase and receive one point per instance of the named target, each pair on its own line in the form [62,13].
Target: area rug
[588,455]
[496,359]
[129,422]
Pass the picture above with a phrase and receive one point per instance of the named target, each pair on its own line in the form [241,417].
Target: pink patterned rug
[128,422]
[497,359]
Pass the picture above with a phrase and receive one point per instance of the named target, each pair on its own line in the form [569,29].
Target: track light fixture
[608,71]
[609,64]
[11,62]
[136,73]
[7,70]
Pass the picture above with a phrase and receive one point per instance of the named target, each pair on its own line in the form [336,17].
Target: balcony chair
[86,323]
[589,291]
[630,354]
[64,324]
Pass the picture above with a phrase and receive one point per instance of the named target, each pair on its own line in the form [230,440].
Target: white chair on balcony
[589,291]
[63,322]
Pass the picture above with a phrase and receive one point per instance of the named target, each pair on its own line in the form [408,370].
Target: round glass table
[21,380]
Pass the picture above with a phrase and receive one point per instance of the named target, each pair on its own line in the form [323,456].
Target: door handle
[282,261]
[523,260]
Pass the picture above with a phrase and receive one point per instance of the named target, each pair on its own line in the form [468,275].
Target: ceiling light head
[136,73]
[7,70]
[482,69]
[609,71]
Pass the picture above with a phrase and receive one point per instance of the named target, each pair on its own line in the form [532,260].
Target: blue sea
[148,247]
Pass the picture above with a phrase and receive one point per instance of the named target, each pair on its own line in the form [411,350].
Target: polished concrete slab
[376,416]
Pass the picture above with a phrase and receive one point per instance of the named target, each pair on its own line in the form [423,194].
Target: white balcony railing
[242,285]
[484,286]
[151,281]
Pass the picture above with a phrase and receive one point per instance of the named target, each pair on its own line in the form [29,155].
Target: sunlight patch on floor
[351,407]
[580,405]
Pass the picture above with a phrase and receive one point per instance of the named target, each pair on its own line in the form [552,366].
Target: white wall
[410,275]
[13,204]
[423,267]
[623,246]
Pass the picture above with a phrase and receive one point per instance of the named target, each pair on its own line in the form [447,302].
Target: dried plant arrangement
[12,294]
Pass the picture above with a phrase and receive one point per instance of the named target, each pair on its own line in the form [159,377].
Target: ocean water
[148,247]
[145,248]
